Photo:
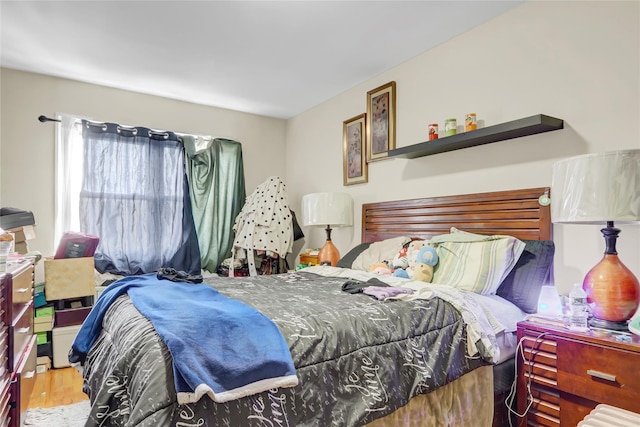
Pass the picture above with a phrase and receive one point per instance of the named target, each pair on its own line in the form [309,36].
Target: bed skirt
[467,401]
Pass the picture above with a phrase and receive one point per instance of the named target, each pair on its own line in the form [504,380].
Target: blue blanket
[220,346]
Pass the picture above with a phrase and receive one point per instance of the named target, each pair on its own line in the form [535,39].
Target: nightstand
[309,259]
[569,373]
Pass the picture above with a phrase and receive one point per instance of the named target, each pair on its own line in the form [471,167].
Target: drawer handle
[22,290]
[23,330]
[29,374]
[601,375]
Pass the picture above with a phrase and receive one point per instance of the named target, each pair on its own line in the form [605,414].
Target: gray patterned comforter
[357,358]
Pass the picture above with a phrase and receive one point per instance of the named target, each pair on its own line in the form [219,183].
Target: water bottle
[579,314]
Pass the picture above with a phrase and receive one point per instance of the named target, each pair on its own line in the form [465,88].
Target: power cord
[509,400]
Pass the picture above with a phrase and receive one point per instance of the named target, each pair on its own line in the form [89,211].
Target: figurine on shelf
[433,131]
[450,127]
[470,122]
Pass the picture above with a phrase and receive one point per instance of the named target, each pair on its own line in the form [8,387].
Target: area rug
[74,415]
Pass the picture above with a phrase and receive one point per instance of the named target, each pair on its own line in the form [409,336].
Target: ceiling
[273,58]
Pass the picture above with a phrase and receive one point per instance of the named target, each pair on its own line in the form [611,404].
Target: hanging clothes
[264,223]
[216,180]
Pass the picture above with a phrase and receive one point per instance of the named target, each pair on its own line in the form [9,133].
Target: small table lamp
[602,188]
[327,209]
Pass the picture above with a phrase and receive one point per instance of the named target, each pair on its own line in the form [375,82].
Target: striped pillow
[479,266]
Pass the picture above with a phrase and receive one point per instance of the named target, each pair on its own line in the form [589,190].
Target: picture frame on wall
[381,121]
[355,168]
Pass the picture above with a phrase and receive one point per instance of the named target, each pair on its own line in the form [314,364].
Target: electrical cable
[529,364]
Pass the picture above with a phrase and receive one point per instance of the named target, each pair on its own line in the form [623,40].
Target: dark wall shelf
[509,130]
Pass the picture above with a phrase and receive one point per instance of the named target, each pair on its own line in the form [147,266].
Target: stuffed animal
[412,255]
[400,260]
[428,255]
[380,268]
[425,261]
[413,249]
[399,272]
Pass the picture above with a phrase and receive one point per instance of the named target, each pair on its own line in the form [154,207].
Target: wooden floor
[56,387]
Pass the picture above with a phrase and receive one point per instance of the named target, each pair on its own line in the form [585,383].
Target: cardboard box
[62,340]
[42,324]
[44,311]
[24,233]
[42,337]
[68,278]
[43,320]
[38,295]
[43,360]
[21,248]
[43,364]
[71,316]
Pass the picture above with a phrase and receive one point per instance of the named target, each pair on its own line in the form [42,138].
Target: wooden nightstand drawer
[543,343]
[545,408]
[591,367]
[540,358]
[599,373]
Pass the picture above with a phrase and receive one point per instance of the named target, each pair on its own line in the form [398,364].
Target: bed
[358,360]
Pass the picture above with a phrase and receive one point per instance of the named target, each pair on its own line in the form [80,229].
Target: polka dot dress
[265,222]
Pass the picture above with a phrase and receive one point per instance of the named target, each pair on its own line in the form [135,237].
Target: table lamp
[602,188]
[330,210]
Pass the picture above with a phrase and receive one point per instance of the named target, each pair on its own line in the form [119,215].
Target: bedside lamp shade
[602,188]
[327,210]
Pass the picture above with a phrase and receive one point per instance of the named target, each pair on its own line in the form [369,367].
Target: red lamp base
[329,254]
[613,292]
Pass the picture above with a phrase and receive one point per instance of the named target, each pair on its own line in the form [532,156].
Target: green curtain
[216,180]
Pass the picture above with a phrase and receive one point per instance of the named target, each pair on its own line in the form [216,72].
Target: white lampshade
[322,209]
[596,188]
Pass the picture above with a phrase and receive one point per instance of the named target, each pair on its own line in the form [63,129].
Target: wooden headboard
[516,213]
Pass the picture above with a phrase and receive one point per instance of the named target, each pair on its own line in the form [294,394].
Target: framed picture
[353,150]
[381,121]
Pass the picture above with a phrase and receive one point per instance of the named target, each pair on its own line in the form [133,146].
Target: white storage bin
[62,338]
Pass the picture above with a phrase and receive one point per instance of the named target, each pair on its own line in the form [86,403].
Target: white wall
[27,146]
[578,61]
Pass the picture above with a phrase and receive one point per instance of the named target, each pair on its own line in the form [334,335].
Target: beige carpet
[60,416]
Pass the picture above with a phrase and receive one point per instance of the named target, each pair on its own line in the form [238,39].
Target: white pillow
[505,313]
[381,251]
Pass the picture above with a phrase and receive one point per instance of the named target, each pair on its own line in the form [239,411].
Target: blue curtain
[135,198]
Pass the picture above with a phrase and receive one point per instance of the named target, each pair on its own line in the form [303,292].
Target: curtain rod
[48,119]
[44,119]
